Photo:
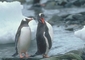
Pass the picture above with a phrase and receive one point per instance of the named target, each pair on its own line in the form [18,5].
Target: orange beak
[42,20]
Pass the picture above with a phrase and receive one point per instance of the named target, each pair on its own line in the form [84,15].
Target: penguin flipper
[16,39]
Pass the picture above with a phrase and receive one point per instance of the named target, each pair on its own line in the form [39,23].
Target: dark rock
[83,56]
[70,3]
[75,19]
[55,20]
[52,5]
[78,17]
[77,3]
[20,58]
[83,13]
[64,16]
[2,0]
[69,17]
[70,56]
[71,27]
[62,3]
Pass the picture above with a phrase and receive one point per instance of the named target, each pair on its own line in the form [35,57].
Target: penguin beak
[42,20]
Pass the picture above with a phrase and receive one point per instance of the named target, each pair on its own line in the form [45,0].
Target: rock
[20,58]
[54,4]
[77,3]
[62,2]
[72,55]
[75,19]
[70,3]
[64,16]
[55,20]
[83,54]
[69,17]
[71,27]
[83,13]
[78,17]
[51,5]
[50,58]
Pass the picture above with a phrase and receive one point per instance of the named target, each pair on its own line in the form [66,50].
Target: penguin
[23,38]
[43,37]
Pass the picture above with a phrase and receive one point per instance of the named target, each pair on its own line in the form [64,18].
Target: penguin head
[41,18]
[27,19]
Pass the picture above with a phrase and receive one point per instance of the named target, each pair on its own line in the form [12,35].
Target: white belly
[24,40]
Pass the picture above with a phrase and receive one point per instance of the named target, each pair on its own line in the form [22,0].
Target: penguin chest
[25,38]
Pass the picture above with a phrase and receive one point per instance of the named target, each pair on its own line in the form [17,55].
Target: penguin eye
[41,15]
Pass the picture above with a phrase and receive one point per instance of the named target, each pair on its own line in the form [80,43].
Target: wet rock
[55,20]
[70,3]
[62,2]
[71,27]
[78,17]
[83,13]
[64,16]
[52,5]
[2,0]
[83,56]
[69,17]
[72,55]
[74,19]
[20,59]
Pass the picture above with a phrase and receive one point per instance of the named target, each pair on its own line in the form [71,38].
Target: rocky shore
[71,21]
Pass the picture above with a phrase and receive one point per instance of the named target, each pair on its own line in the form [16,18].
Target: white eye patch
[24,19]
[27,18]
[40,14]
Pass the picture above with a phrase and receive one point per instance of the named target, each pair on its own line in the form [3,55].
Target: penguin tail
[37,53]
[15,54]
[33,55]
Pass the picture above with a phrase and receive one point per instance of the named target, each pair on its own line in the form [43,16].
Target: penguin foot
[26,56]
[21,56]
[45,56]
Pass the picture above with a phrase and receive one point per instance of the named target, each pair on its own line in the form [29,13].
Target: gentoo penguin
[23,38]
[43,37]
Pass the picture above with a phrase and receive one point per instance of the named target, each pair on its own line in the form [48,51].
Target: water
[12,13]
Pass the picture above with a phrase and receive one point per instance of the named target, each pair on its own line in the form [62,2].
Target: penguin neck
[25,23]
[41,27]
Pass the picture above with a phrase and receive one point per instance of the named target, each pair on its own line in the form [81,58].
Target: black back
[41,43]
